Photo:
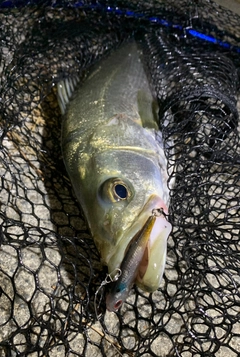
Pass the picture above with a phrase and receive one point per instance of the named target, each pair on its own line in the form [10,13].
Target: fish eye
[115,190]
[121,191]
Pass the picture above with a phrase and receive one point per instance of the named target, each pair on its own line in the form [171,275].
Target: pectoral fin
[147,109]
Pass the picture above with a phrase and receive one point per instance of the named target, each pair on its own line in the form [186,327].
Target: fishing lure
[130,264]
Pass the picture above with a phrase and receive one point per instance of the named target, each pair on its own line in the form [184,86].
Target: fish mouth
[151,267]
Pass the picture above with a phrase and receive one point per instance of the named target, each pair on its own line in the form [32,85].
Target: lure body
[129,267]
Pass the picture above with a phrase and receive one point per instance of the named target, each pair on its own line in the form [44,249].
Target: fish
[113,153]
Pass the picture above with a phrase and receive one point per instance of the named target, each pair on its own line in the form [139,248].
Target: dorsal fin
[65,90]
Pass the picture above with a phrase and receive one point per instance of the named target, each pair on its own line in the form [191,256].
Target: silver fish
[114,156]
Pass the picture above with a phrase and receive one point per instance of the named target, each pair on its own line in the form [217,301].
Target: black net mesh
[49,267]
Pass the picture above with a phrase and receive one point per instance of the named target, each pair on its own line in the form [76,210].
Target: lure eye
[115,190]
[118,304]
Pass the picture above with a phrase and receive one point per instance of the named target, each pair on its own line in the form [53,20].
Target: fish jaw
[152,265]
[130,265]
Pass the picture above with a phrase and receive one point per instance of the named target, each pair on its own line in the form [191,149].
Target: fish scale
[111,143]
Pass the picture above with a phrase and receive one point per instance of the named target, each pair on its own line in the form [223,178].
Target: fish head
[118,186]
[119,197]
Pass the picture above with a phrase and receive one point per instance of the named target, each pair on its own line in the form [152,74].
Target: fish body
[114,156]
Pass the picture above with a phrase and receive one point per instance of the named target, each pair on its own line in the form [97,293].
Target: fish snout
[145,255]
[152,266]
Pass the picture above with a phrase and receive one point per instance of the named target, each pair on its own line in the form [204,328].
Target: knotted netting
[50,270]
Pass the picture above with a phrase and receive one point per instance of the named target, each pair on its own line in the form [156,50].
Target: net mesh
[50,270]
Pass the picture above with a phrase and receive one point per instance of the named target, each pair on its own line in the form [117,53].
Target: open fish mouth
[152,263]
[151,267]
[130,265]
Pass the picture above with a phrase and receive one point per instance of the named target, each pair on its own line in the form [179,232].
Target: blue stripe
[211,39]
[128,13]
